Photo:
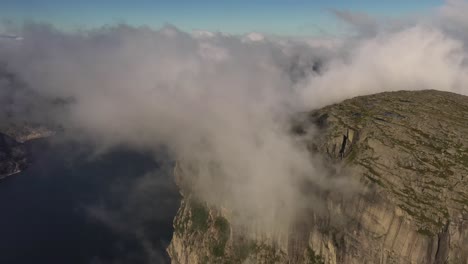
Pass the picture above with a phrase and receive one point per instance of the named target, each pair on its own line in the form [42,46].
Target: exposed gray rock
[409,150]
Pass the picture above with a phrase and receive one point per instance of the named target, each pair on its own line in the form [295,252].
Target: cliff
[13,153]
[409,151]
[16,122]
[12,156]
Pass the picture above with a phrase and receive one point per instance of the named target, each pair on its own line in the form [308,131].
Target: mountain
[408,151]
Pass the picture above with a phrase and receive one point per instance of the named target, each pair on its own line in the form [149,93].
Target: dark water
[70,208]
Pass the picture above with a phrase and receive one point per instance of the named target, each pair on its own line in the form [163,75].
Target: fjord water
[71,207]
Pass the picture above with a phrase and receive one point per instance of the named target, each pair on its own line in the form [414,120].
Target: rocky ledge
[410,152]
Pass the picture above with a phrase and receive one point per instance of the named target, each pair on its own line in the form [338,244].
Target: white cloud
[203,34]
[253,37]
[412,59]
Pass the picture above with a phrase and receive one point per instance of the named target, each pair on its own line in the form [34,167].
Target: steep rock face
[12,156]
[204,234]
[410,152]
[13,153]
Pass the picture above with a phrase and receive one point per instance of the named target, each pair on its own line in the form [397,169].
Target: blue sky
[283,17]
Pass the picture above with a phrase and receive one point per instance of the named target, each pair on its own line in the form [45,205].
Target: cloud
[220,105]
[254,37]
[12,37]
[454,12]
[363,22]
[412,59]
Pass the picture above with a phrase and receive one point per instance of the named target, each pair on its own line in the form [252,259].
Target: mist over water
[68,207]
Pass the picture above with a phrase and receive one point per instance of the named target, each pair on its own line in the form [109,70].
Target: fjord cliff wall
[409,151]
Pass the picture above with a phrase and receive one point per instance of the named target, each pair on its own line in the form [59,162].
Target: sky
[281,17]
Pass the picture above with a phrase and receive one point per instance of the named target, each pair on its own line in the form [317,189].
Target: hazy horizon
[283,18]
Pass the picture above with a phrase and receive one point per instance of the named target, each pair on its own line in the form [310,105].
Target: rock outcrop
[13,153]
[16,121]
[410,152]
[25,132]
[12,156]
